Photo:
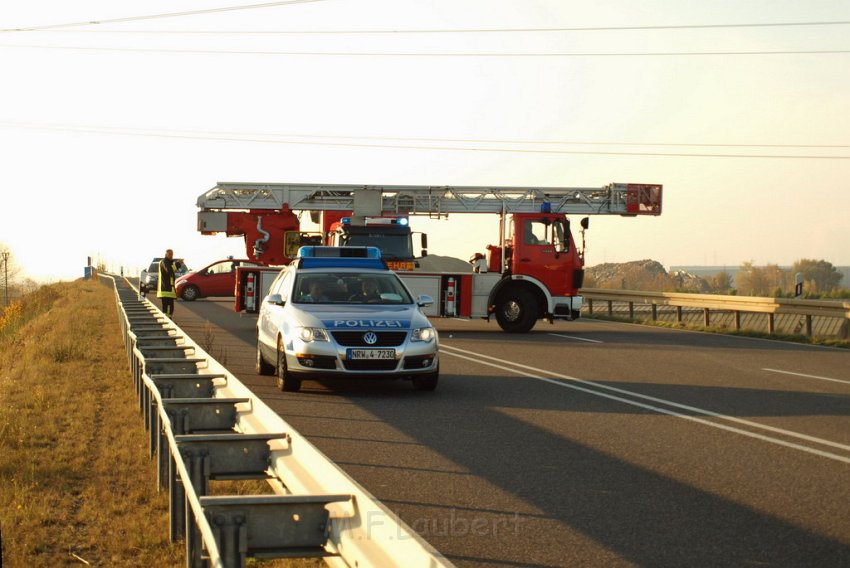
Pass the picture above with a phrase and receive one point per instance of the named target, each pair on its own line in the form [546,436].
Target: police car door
[271,314]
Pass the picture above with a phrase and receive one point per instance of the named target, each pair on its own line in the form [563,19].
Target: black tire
[516,310]
[285,380]
[190,293]
[263,368]
[426,382]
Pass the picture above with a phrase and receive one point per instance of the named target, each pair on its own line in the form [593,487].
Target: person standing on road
[165,289]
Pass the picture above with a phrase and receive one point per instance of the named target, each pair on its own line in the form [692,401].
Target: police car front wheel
[285,379]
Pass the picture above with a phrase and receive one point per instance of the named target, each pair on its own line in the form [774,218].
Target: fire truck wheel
[263,368]
[190,293]
[516,310]
[285,380]
[426,382]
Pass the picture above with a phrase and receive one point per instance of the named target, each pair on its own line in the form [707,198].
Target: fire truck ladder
[627,199]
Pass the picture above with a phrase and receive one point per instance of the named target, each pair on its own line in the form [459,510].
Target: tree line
[820,280]
[12,284]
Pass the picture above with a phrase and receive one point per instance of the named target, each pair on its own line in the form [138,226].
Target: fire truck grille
[355,338]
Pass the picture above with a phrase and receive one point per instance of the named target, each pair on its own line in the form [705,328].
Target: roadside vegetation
[821,280]
[77,485]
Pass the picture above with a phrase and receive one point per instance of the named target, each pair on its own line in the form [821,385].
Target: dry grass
[77,484]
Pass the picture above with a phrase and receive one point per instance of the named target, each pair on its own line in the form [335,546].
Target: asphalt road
[589,443]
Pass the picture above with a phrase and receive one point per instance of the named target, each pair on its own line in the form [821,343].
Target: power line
[458,30]
[420,54]
[203,133]
[235,138]
[158,16]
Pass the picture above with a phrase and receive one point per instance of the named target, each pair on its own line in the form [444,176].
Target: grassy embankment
[77,485]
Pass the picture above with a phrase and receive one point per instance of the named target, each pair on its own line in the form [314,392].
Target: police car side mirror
[277,300]
[424,300]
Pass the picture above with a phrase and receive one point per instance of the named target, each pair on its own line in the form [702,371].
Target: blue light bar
[345,220]
[403,221]
[339,252]
[340,257]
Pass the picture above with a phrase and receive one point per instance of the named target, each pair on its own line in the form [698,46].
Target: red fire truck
[532,271]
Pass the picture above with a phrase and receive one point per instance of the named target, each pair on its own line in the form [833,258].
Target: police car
[340,312]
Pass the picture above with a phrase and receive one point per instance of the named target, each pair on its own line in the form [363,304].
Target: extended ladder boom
[615,199]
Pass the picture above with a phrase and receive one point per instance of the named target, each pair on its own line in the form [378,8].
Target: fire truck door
[544,254]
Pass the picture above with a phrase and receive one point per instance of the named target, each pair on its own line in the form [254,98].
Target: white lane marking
[661,410]
[807,376]
[576,338]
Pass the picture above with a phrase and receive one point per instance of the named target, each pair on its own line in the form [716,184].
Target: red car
[217,279]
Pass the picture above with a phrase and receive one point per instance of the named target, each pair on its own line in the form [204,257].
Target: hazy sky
[107,139]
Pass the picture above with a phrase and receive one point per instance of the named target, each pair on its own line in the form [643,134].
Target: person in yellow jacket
[165,289]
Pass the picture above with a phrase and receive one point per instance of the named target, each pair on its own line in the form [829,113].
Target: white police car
[340,312]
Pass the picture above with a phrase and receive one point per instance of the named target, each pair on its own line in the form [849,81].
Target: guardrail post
[654,311]
[590,307]
[270,526]
[198,466]
[631,310]
[808,325]
[706,318]
[176,501]
[610,309]
[737,320]
[771,327]
[162,453]
[155,428]
[678,314]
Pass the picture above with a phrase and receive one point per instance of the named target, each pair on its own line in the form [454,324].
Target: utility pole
[6,270]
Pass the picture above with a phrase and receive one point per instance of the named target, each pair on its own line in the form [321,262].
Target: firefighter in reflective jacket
[165,282]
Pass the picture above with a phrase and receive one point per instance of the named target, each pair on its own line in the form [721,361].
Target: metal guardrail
[205,425]
[807,310]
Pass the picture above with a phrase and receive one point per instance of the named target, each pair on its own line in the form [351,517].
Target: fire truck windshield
[393,246]
[561,236]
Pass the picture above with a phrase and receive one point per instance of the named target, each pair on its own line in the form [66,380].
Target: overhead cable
[463,30]
[234,138]
[157,16]
[205,133]
[425,54]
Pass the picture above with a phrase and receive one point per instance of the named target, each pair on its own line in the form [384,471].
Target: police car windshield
[349,288]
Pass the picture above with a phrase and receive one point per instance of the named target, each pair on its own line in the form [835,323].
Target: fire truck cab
[533,273]
[390,234]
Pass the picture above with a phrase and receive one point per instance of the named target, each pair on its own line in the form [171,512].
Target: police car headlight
[308,334]
[423,334]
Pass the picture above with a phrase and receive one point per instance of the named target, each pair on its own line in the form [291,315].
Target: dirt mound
[646,275]
[437,263]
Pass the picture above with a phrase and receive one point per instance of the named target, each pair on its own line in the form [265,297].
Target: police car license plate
[371,353]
